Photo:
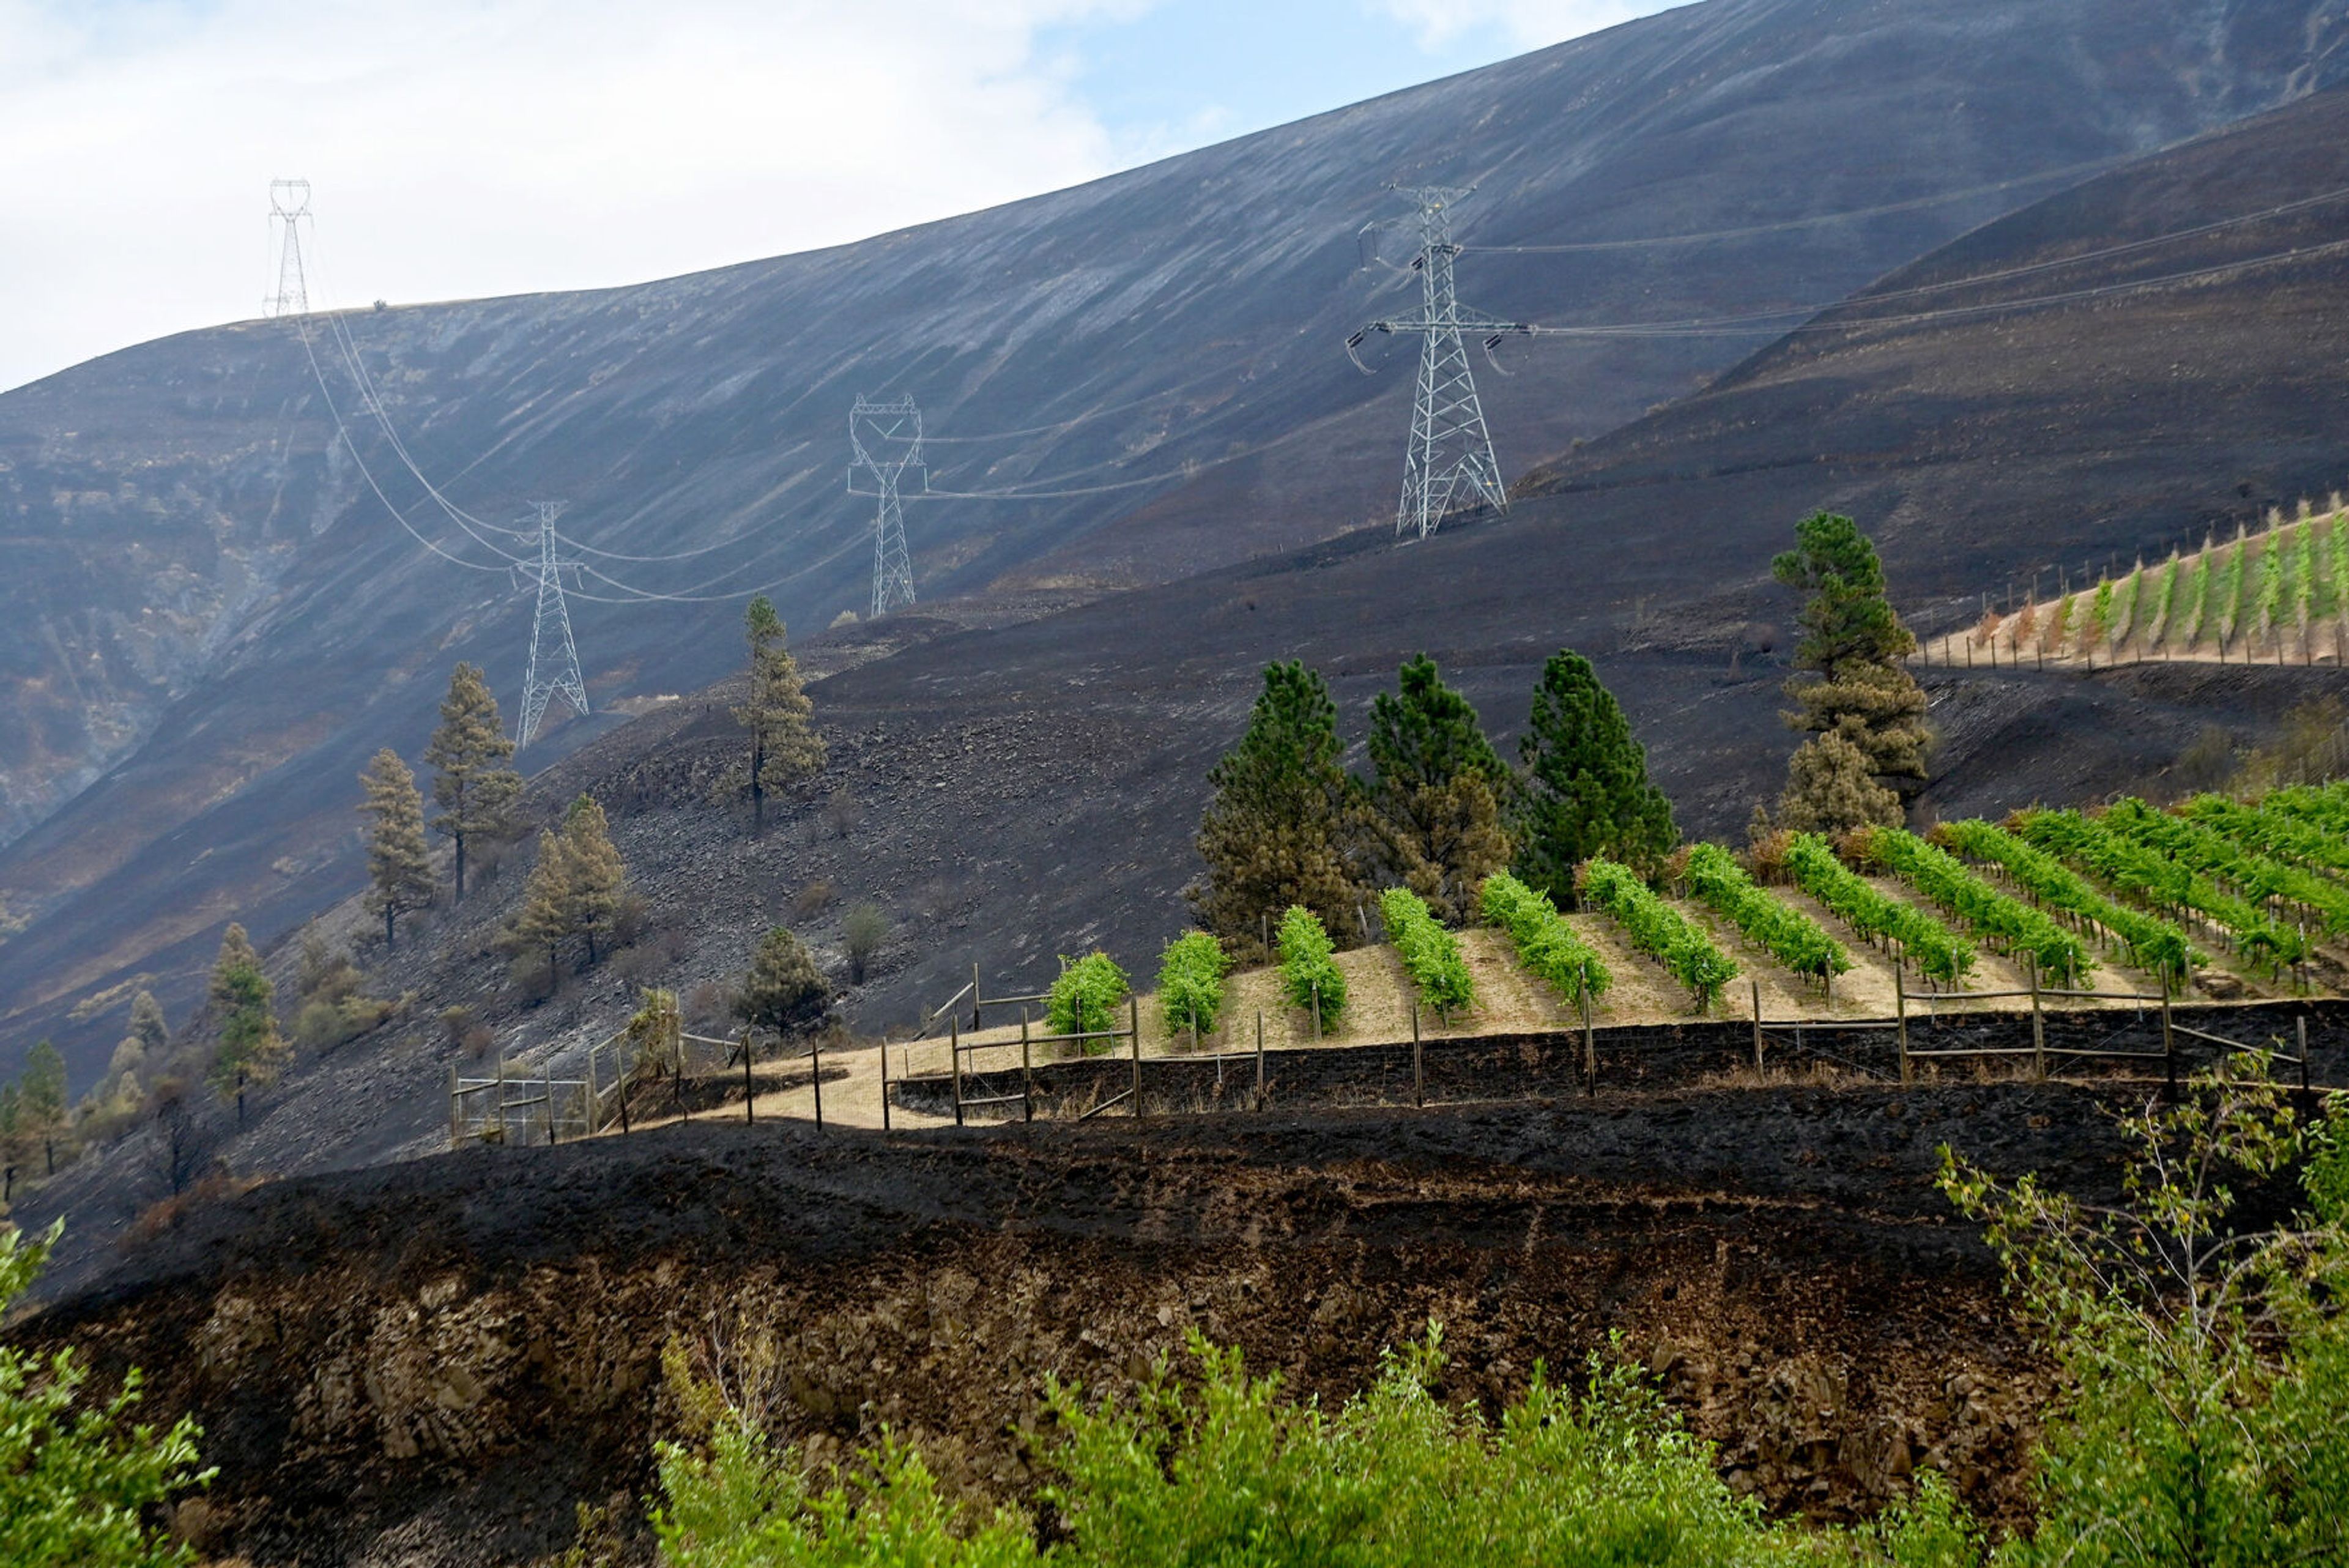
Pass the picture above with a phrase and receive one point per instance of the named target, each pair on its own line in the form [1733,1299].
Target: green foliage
[1586,790]
[1307,972]
[2151,944]
[2158,625]
[471,784]
[2100,610]
[1793,938]
[2323,806]
[1847,619]
[1546,943]
[784,746]
[1278,828]
[2336,549]
[2257,877]
[2312,600]
[1831,788]
[1658,929]
[2153,879]
[1933,947]
[77,1479]
[1437,792]
[1191,981]
[1430,954]
[783,990]
[2270,830]
[2268,597]
[2226,594]
[2199,570]
[2203,1417]
[1086,998]
[400,866]
[2009,921]
[863,931]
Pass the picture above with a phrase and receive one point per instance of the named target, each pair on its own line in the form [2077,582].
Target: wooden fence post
[749,1115]
[1900,1020]
[1134,1030]
[2169,1045]
[546,1098]
[1756,987]
[1260,1058]
[592,1106]
[1418,1068]
[1316,1011]
[456,1112]
[502,1095]
[1026,1072]
[2300,1027]
[975,1025]
[954,1057]
[885,1083]
[815,1075]
[2038,1026]
[1589,1041]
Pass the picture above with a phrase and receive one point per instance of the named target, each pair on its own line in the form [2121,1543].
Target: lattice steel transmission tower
[289,210]
[1451,450]
[887,441]
[554,657]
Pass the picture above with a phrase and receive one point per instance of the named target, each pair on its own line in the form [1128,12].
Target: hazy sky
[462,147]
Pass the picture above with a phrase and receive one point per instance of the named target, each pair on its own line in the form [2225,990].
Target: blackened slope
[1194,305]
[2179,385]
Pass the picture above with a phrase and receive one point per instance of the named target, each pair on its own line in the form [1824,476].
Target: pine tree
[1855,686]
[784,747]
[1831,788]
[251,1051]
[146,1026]
[544,920]
[784,991]
[399,867]
[12,1138]
[471,784]
[41,1110]
[596,882]
[1436,793]
[1278,829]
[1586,788]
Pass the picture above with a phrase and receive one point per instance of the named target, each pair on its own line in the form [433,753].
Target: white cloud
[472,147]
[1529,24]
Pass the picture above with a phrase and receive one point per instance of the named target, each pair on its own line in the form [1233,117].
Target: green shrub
[1191,981]
[1546,943]
[78,1480]
[2151,944]
[1430,954]
[1793,938]
[1085,998]
[1309,972]
[1942,877]
[1933,947]
[1658,929]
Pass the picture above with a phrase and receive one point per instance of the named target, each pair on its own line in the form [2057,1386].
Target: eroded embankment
[432,1362]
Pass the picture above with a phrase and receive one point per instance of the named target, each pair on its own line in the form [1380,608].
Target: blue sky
[463,148]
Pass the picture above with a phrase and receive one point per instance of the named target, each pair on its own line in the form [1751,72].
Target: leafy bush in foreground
[76,1478]
[1658,929]
[1430,954]
[1191,981]
[1085,998]
[1307,972]
[1546,943]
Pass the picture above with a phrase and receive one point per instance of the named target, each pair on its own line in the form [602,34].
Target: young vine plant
[2150,943]
[1938,951]
[1547,945]
[2152,878]
[1658,929]
[1430,954]
[1191,982]
[1716,880]
[1309,966]
[2005,919]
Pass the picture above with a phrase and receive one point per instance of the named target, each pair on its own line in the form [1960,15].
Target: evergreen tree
[1586,788]
[471,784]
[595,883]
[41,1110]
[1278,828]
[12,1138]
[1436,793]
[1831,788]
[1854,686]
[251,1051]
[783,990]
[544,920]
[146,1026]
[399,867]
[784,747]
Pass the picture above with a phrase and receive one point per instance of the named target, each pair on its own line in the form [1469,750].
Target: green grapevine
[2151,944]
[2206,850]
[1191,981]
[1658,929]
[1942,877]
[1308,971]
[1936,950]
[1430,954]
[1547,945]
[1793,938]
[2152,878]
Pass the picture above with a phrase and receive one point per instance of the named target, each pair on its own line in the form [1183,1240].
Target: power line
[887,441]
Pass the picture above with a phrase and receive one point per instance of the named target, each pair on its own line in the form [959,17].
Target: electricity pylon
[887,441]
[289,209]
[554,657]
[1450,447]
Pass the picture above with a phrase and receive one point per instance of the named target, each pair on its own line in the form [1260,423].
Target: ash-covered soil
[432,1362]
